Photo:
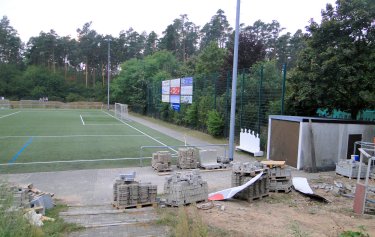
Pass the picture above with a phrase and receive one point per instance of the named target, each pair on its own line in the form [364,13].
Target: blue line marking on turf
[14,158]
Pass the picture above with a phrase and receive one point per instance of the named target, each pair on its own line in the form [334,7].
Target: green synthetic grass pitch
[100,140]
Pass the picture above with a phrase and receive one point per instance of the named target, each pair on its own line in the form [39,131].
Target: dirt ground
[292,214]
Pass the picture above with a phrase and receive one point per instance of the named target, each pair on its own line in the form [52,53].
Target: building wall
[330,142]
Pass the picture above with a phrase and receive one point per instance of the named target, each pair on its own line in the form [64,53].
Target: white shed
[310,143]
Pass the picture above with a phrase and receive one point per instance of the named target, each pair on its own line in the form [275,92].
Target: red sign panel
[175,90]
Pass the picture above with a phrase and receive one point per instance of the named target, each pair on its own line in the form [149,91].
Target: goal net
[5,104]
[121,111]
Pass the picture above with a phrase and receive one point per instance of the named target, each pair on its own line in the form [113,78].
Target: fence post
[227,105]
[241,102]
[283,89]
[260,97]
[215,75]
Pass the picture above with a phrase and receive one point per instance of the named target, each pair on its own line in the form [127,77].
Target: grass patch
[361,232]
[186,222]
[188,131]
[58,227]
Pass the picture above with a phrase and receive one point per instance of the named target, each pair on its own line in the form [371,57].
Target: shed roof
[319,120]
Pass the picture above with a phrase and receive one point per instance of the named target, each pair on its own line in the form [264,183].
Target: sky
[30,17]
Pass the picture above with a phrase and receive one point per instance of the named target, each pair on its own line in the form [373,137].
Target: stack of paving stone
[184,188]
[280,179]
[350,168]
[147,193]
[243,172]
[161,161]
[188,158]
[131,193]
[21,197]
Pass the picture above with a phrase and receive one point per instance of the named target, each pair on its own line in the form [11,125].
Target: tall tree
[251,50]
[336,70]
[151,44]
[268,34]
[89,44]
[181,38]
[218,30]
[10,43]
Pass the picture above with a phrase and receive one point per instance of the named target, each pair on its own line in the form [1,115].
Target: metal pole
[242,91]
[234,83]
[283,89]
[108,70]
[260,97]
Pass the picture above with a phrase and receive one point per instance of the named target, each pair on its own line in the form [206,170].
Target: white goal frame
[121,111]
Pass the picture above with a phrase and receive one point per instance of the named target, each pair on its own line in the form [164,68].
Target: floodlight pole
[234,84]
[108,70]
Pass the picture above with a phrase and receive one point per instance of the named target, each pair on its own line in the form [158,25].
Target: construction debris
[161,161]
[184,188]
[188,158]
[243,173]
[34,218]
[129,193]
[230,192]
[302,186]
[30,197]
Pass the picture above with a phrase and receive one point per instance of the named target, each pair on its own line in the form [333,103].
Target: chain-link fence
[259,94]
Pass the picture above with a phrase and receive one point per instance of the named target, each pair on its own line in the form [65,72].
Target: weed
[296,230]
[188,223]
[359,233]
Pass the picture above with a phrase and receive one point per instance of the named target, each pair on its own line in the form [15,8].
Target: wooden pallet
[280,178]
[186,204]
[252,199]
[347,176]
[281,190]
[273,163]
[139,205]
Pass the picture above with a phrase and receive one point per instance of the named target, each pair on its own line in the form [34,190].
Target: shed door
[284,141]
[352,138]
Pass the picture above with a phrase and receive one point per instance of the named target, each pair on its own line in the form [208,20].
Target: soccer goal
[121,111]
[5,104]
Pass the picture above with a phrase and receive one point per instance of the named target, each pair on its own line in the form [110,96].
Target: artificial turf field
[39,140]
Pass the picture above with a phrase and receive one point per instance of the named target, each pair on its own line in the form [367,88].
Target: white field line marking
[73,161]
[156,140]
[10,114]
[82,120]
[109,124]
[70,136]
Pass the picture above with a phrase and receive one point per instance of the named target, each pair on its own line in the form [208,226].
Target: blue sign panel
[175,107]
[187,81]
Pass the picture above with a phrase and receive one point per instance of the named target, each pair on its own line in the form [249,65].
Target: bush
[215,123]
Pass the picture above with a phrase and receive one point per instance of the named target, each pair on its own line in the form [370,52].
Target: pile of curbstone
[184,188]
[243,172]
[161,161]
[127,192]
[280,179]
[188,158]
[33,198]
